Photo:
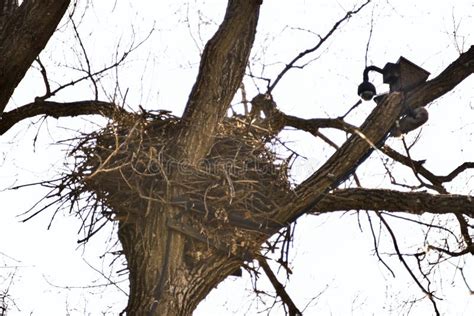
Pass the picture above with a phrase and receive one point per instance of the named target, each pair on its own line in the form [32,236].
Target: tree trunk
[162,282]
[173,265]
[22,37]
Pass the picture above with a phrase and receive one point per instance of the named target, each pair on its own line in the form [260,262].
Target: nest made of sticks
[129,163]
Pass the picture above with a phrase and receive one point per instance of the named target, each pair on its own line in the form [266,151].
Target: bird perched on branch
[414,119]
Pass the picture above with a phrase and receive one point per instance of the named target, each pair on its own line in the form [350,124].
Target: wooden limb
[447,80]
[464,228]
[346,159]
[372,135]
[418,167]
[279,288]
[23,37]
[221,71]
[311,125]
[453,174]
[279,120]
[395,201]
[57,109]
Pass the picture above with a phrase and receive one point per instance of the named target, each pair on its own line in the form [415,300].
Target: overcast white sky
[332,256]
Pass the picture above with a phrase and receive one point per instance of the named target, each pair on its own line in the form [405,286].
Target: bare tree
[196,196]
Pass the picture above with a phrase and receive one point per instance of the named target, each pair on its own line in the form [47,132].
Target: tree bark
[346,159]
[171,267]
[168,275]
[394,201]
[57,109]
[371,135]
[23,36]
[221,71]
[161,284]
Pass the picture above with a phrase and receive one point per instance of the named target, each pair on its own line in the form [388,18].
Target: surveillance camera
[366,91]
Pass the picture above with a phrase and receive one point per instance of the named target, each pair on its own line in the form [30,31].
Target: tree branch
[418,167]
[322,40]
[56,110]
[279,288]
[277,120]
[221,71]
[371,135]
[453,174]
[23,37]
[312,125]
[7,7]
[429,294]
[346,159]
[454,74]
[395,201]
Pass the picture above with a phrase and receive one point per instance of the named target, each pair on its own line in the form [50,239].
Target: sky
[332,257]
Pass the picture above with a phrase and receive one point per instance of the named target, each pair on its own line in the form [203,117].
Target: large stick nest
[130,163]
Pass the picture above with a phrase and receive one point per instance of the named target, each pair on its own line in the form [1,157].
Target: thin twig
[45,76]
[465,281]
[291,64]
[370,37]
[429,294]
[376,246]
[86,57]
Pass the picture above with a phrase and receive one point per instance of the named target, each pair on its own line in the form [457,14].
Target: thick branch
[312,125]
[56,109]
[346,159]
[23,37]
[221,71]
[7,7]
[454,74]
[395,201]
[372,133]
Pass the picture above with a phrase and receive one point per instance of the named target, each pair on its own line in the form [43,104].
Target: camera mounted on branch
[400,76]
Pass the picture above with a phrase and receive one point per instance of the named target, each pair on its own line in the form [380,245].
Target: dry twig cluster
[130,165]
